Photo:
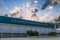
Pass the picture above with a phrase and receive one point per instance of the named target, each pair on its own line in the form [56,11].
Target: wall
[9,28]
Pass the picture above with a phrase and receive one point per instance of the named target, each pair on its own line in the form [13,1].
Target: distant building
[14,27]
[57,22]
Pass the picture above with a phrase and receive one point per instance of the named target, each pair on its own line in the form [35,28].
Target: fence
[12,35]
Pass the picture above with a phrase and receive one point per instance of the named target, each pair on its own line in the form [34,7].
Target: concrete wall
[9,28]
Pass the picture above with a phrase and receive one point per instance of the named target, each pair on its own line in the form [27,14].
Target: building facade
[57,21]
[14,27]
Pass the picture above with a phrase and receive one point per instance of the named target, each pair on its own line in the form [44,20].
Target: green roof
[18,21]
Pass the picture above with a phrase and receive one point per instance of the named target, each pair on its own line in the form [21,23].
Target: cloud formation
[28,4]
[50,7]
[49,2]
[35,1]
[28,11]
[15,10]
[58,15]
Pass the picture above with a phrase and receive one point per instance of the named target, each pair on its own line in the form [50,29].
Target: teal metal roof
[10,20]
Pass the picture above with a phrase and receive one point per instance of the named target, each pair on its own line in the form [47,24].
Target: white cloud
[45,17]
[15,10]
[29,11]
[35,1]
[28,4]
[54,1]
[58,15]
[50,7]
[51,18]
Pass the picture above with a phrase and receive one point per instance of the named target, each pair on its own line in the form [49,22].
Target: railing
[12,35]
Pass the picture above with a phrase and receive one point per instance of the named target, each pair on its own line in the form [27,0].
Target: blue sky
[25,8]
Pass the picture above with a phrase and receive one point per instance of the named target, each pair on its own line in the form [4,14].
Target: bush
[36,33]
[32,33]
[52,34]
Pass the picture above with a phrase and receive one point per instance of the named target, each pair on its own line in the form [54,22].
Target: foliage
[52,34]
[32,33]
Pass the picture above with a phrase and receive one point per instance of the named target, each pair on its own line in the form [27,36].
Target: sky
[29,9]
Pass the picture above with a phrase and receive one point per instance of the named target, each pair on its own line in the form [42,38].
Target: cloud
[28,11]
[58,15]
[50,7]
[45,4]
[28,4]
[58,1]
[45,17]
[35,1]
[54,2]
[51,18]
[15,10]
[49,2]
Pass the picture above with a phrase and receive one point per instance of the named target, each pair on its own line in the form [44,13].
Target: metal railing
[12,35]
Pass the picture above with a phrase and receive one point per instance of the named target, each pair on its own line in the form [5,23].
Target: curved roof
[10,20]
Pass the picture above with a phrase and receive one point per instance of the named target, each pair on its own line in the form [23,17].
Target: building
[57,21]
[14,27]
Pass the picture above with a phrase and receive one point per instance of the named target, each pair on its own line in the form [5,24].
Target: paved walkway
[30,38]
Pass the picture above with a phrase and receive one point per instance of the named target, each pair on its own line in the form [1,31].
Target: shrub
[36,33]
[52,34]
[32,33]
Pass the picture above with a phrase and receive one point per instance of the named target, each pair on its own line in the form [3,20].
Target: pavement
[31,38]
